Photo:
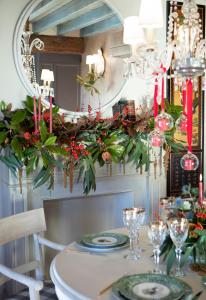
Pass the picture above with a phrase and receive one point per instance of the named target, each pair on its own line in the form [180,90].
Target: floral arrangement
[27,142]
[195,245]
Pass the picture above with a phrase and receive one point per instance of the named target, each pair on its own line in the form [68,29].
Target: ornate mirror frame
[20,70]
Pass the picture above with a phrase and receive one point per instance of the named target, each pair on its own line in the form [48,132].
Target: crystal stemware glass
[157,233]
[133,218]
[178,233]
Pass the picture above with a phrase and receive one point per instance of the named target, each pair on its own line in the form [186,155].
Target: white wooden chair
[22,225]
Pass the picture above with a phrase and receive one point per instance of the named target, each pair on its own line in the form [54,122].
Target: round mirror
[71,51]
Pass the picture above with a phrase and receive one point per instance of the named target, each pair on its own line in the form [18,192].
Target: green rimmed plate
[105,240]
[150,286]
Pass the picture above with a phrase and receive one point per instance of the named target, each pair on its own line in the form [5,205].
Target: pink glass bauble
[189,162]
[164,122]
[181,123]
[156,139]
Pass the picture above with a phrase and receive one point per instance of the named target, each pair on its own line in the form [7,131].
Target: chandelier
[28,58]
[184,53]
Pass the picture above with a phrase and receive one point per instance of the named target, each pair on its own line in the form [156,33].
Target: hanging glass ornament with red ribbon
[189,162]
[156,138]
[181,123]
[164,121]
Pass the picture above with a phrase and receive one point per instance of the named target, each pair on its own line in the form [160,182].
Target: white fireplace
[69,215]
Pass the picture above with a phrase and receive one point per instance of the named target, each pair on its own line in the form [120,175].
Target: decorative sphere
[181,123]
[189,162]
[164,122]
[155,138]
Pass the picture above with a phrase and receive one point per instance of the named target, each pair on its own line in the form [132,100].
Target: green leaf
[170,259]
[185,257]
[55,110]
[42,177]
[31,164]
[29,104]
[43,131]
[18,117]
[50,141]
[3,135]
[30,152]
[2,125]
[16,146]
[200,232]
[116,150]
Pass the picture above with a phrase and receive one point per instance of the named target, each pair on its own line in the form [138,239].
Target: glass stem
[156,252]
[178,252]
[132,239]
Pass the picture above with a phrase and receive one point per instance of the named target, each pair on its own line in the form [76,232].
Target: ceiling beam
[94,16]
[60,44]
[103,26]
[46,8]
[73,9]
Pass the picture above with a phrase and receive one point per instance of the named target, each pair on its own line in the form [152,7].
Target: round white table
[81,275]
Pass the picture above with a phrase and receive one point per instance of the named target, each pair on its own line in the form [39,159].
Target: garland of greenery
[76,146]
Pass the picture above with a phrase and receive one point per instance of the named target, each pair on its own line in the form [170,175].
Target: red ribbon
[184,101]
[189,113]
[155,107]
[163,88]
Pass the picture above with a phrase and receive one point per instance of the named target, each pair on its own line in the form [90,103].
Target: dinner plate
[150,286]
[104,240]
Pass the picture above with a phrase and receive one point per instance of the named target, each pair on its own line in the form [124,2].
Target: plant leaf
[18,117]
[43,131]
[50,141]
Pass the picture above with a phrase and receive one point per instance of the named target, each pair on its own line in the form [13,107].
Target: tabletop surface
[82,275]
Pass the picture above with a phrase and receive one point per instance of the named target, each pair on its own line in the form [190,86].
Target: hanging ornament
[164,121]
[155,138]
[189,162]
[181,123]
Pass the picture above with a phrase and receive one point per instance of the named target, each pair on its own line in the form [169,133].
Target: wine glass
[178,233]
[133,218]
[157,233]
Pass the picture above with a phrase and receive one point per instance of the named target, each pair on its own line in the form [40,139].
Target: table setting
[128,263]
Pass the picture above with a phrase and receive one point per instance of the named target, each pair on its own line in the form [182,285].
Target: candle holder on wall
[28,58]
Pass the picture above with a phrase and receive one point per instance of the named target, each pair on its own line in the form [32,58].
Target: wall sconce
[96,63]
[47,77]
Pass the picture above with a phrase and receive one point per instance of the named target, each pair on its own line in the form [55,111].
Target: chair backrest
[22,225]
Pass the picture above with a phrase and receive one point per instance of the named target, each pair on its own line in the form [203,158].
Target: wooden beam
[103,26]
[94,16]
[45,8]
[60,44]
[73,9]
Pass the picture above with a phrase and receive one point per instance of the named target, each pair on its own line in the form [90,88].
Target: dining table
[81,274]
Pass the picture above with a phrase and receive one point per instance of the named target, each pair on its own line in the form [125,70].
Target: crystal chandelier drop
[184,53]
[28,58]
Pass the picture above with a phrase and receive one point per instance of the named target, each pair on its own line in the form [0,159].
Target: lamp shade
[89,60]
[151,14]
[133,33]
[51,76]
[45,74]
